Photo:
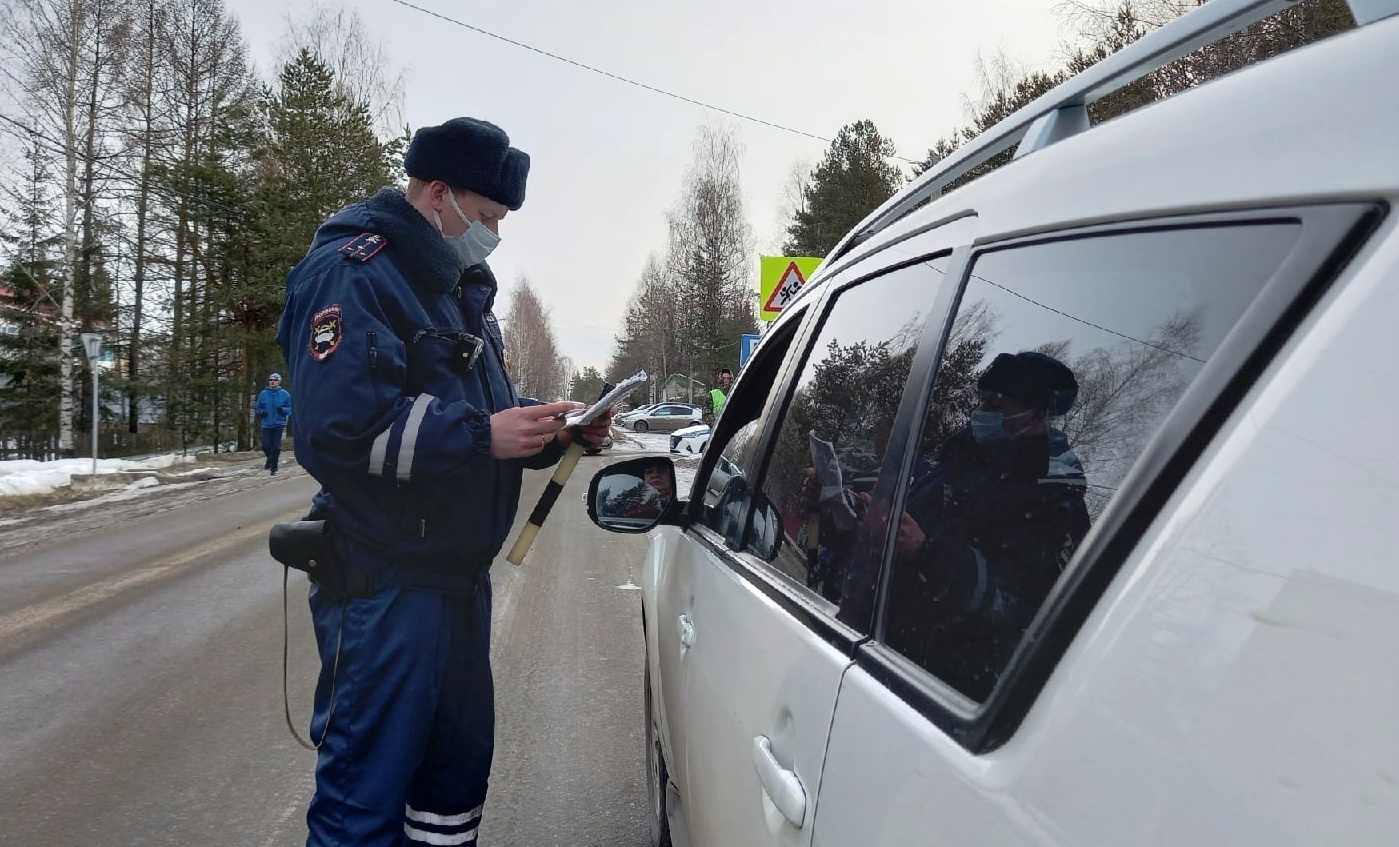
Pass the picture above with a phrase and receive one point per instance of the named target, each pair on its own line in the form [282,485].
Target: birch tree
[535,363]
[207,88]
[650,338]
[62,62]
[145,133]
[710,257]
[337,36]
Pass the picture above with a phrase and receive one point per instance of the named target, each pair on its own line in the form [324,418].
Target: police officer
[991,520]
[414,430]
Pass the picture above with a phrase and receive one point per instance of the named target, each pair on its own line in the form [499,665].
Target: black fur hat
[473,155]
[1033,378]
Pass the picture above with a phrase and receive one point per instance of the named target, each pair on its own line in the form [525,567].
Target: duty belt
[309,546]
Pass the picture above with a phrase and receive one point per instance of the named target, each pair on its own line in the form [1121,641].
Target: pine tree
[320,152]
[29,330]
[586,385]
[316,152]
[709,256]
[853,178]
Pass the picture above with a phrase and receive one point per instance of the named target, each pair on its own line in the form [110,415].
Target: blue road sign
[746,349]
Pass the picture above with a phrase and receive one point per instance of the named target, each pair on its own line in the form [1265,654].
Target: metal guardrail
[1062,111]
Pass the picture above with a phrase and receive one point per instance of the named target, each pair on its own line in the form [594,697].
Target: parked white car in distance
[691,440]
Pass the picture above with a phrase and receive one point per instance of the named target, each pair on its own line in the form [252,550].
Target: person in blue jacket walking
[273,407]
[408,420]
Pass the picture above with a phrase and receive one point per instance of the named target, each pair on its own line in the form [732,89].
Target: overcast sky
[608,158]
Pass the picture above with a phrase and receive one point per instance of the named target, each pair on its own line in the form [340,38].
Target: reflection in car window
[815,511]
[1063,361]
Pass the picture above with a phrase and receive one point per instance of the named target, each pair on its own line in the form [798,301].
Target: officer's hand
[593,433]
[910,538]
[524,431]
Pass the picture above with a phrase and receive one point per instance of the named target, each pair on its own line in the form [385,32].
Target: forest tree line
[161,190]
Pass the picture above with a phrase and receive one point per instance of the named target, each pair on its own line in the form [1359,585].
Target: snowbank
[26,476]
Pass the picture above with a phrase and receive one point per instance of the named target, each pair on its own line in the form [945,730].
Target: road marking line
[39,615]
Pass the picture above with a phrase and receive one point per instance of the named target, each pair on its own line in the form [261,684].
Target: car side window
[725,494]
[815,511]
[1064,359]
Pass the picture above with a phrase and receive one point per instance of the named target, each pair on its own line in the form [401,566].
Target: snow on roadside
[685,474]
[641,442]
[132,491]
[26,476]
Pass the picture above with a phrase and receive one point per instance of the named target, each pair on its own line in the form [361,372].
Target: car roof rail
[1063,111]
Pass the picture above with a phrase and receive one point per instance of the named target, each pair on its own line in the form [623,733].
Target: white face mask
[473,246]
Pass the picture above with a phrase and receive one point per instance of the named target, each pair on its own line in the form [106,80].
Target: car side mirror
[634,496]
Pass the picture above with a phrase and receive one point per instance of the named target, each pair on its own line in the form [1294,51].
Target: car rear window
[1064,360]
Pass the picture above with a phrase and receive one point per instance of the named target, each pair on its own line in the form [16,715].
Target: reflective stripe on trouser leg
[396,652]
[429,828]
[445,800]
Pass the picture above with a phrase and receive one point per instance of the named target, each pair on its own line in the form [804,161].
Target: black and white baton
[611,395]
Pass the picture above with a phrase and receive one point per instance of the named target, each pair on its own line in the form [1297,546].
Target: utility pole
[92,344]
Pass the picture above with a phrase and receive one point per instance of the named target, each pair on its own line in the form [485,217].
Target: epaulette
[364,246]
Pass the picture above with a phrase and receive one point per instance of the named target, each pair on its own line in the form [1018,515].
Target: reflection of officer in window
[990,521]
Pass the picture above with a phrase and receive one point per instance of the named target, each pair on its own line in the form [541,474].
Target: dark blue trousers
[272,445]
[411,731]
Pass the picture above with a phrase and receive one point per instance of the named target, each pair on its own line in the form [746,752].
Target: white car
[631,413]
[691,440]
[1116,564]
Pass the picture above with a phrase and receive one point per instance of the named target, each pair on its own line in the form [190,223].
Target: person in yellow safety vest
[718,396]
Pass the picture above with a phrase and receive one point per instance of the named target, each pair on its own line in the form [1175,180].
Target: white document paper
[586,416]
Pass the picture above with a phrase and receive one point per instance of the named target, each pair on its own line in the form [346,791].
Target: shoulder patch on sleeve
[326,332]
[364,246]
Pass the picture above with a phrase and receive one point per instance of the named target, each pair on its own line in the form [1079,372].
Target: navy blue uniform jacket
[393,412]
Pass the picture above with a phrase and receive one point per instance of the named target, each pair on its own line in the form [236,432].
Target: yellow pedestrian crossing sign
[780,278]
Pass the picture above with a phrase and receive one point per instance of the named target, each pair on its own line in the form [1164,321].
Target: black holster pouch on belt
[309,547]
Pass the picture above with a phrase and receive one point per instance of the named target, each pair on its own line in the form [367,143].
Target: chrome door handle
[782,786]
[687,631]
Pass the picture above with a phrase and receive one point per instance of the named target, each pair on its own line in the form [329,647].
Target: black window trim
[1331,236]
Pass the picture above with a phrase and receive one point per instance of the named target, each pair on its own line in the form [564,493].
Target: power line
[55,146]
[653,89]
[1089,323]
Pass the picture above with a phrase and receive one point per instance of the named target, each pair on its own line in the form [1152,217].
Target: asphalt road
[141,674]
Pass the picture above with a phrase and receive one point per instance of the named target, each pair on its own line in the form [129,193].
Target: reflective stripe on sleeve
[409,444]
[379,452]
